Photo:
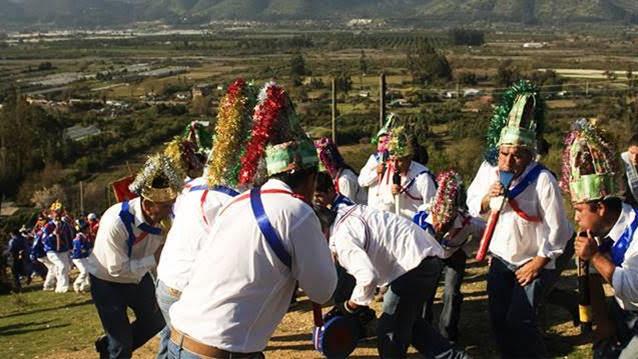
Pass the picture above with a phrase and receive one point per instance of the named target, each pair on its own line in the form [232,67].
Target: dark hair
[160,181]
[612,203]
[295,178]
[420,152]
[324,182]
[543,147]
[326,216]
[633,141]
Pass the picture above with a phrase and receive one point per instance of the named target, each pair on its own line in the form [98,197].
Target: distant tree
[43,66]
[427,65]
[467,37]
[343,81]
[468,78]
[507,73]
[298,69]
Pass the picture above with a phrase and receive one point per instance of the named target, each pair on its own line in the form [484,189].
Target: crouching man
[379,248]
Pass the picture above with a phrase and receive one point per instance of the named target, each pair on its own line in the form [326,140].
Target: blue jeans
[175,351]
[403,323]
[453,273]
[513,311]
[164,300]
[112,300]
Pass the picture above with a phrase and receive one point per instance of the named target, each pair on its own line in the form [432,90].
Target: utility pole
[382,86]
[81,197]
[334,111]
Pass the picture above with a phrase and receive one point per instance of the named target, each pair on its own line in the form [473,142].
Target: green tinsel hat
[158,180]
[518,120]
[589,164]
[391,118]
[197,133]
[400,143]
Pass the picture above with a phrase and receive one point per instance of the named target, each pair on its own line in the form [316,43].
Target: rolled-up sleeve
[556,228]
[625,278]
[349,242]
[368,175]
[478,189]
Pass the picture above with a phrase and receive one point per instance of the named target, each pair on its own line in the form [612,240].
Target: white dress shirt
[239,289]
[348,185]
[377,247]
[515,239]
[109,259]
[464,229]
[625,278]
[190,229]
[418,188]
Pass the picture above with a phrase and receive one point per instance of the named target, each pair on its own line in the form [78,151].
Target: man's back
[240,290]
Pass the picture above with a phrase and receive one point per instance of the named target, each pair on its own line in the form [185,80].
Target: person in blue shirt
[79,254]
[57,236]
[18,252]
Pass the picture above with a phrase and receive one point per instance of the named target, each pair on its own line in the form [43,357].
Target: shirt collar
[274,183]
[136,205]
[624,220]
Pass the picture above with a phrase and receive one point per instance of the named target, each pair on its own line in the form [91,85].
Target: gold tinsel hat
[158,180]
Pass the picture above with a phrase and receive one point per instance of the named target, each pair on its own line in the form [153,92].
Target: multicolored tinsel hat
[234,122]
[446,201]
[183,153]
[329,157]
[387,127]
[277,142]
[400,143]
[589,164]
[518,120]
[56,206]
[196,133]
[158,180]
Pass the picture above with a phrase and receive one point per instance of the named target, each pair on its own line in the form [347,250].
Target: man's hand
[530,270]
[496,189]
[380,168]
[396,189]
[585,247]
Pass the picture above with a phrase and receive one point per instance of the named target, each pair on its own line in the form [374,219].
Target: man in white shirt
[126,248]
[531,233]
[608,230]
[401,180]
[200,201]
[260,244]
[374,169]
[379,248]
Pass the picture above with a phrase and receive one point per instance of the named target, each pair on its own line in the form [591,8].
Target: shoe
[102,346]
[48,289]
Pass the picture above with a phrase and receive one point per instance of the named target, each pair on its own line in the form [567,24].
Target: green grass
[36,322]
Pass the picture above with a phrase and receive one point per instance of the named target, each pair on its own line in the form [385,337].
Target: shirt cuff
[617,281]
[147,262]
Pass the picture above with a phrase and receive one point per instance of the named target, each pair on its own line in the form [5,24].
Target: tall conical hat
[234,123]
[518,120]
[589,165]
[445,203]
[277,142]
[400,143]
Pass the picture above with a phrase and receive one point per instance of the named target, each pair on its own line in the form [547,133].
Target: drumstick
[396,181]
[506,179]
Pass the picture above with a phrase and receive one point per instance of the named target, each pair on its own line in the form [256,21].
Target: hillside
[105,12]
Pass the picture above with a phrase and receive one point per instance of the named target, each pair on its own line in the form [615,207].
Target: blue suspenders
[267,229]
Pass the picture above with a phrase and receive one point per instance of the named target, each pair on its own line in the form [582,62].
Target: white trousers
[62,265]
[49,280]
[81,283]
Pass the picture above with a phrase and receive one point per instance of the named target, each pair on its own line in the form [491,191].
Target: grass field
[38,324]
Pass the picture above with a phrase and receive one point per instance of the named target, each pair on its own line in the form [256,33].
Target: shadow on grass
[78,304]
[30,327]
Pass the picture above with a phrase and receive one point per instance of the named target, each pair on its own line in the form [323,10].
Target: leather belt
[184,341]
